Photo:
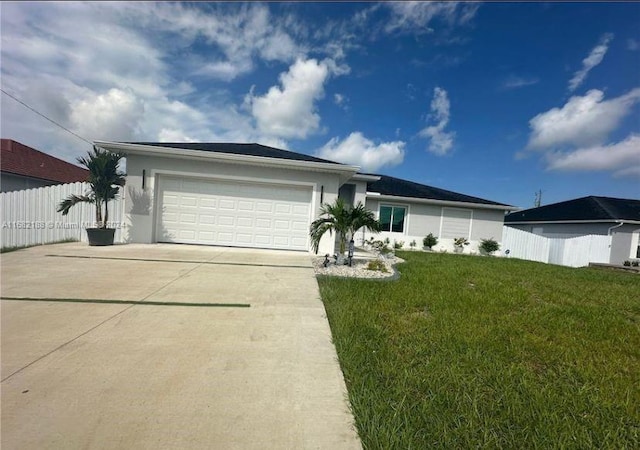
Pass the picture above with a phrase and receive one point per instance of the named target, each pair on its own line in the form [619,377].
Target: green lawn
[467,352]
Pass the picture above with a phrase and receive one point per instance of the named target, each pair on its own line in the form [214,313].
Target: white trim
[363,177]
[170,152]
[463,205]
[210,177]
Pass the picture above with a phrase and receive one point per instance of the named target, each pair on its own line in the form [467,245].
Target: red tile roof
[20,159]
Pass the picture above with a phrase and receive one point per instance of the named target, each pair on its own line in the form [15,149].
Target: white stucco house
[250,195]
[592,215]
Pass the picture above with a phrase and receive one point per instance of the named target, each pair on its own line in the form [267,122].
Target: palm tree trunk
[98,213]
[106,213]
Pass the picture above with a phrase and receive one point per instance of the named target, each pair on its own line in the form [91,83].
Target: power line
[45,117]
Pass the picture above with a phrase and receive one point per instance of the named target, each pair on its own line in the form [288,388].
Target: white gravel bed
[358,268]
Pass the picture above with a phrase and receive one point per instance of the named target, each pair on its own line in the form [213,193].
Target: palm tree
[344,220]
[104,182]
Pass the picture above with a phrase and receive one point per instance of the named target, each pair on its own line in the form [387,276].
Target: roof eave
[431,201]
[538,222]
[364,177]
[346,171]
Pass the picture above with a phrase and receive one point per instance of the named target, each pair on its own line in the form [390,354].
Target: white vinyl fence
[29,217]
[572,252]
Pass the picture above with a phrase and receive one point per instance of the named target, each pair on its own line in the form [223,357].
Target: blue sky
[495,100]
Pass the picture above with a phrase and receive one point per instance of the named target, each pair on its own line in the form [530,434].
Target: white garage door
[197,211]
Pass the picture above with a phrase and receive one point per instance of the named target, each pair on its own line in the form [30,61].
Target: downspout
[615,226]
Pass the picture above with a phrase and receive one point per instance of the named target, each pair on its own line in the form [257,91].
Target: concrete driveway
[195,347]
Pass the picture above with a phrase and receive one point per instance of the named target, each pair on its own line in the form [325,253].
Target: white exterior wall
[142,218]
[424,218]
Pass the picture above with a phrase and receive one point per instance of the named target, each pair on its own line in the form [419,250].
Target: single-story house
[251,195]
[593,215]
[23,167]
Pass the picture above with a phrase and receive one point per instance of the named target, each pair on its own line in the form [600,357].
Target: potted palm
[345,221]
[105,180]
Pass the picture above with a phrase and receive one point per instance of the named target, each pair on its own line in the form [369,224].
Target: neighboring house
[251,195]
[23,167]
[615,217]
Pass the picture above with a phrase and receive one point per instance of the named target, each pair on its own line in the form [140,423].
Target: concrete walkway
[198,368]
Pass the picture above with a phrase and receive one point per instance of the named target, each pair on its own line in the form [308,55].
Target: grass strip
[128,302]
[120,258]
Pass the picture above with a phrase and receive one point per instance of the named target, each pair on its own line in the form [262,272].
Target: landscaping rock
[358,268]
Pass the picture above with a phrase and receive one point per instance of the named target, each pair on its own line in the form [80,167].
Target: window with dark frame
[392,218]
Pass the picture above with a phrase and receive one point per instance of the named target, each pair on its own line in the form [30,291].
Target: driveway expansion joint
[181,261]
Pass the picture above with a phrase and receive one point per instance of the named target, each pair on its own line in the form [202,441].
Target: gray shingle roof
[581,209]
[238,149]
[402,188]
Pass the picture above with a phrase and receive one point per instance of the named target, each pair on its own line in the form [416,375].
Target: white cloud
[583,121]
[338,99]
[115,115]
[240,34]
[621,157]
[415,16]
[109,71]
[441,141]
[595,57]
[289,110]
[360,151]
[514,82]
[633,45]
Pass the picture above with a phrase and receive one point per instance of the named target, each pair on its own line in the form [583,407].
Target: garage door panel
[207,202]
[299,226]
[229,213]
[226,204]
[283,209]
[245,205]
[264,207]
[263,223]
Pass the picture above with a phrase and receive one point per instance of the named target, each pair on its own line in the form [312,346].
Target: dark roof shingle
[20,159]
[402,188]
[590,208]
[238,149]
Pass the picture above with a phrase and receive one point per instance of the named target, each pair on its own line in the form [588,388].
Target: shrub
[381,247]
[635,263]
[398,244]
[460,242]
[377,265]
[489,245]
[429,241]
[627,263]
[412,244]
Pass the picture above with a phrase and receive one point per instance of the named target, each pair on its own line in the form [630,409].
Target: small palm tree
[344,220]
[104,182]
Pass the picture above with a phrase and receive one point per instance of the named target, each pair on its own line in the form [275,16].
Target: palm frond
[66,204]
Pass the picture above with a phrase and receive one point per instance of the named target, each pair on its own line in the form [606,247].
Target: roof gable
[238,149]
[20,159]
[397,187]
[590,208]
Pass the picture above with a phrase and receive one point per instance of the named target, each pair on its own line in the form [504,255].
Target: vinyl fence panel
[30,217]
[573,252]
[524,245]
